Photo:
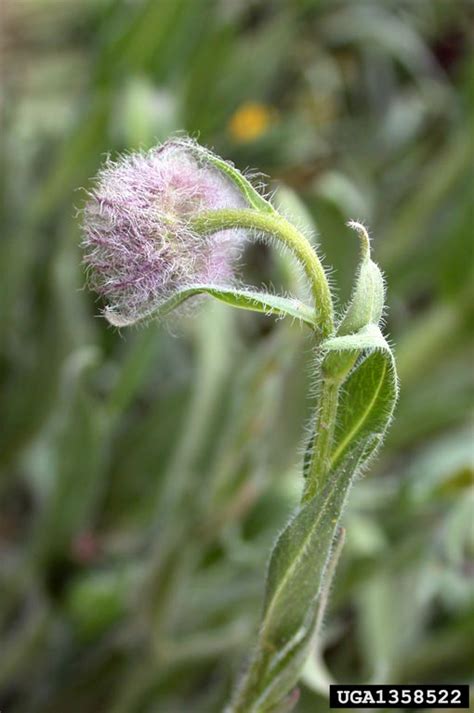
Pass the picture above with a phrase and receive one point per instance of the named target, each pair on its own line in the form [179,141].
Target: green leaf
[366,406]
[369,394]
[240,298]
[252,196]
[363,313]
[368,300]
[369,337]
[366,306]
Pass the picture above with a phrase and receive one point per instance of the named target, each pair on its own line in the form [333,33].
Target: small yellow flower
[250,121]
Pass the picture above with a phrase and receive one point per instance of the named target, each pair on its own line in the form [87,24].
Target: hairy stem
[323,437]
[280,229]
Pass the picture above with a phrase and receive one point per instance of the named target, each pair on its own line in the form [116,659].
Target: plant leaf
[366,406]
[369,394]
[367,302]
[363,313]
[252,300]
[252,196]
[368,338]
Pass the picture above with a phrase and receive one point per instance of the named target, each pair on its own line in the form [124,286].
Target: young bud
[140,247]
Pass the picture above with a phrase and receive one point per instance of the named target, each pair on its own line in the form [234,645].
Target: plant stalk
[323,437]
[279,228]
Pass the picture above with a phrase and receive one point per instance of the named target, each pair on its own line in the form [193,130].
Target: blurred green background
[144,475]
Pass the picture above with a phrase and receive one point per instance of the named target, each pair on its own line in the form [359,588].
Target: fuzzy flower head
[140,248]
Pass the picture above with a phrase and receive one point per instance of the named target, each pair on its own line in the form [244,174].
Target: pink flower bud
[139,245]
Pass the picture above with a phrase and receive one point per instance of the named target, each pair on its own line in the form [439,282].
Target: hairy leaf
[252,300]
[367,301]
[252,196]
[363,313]
[366,405]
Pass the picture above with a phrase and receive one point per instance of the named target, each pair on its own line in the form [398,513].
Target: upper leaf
[252,196]
[367,303]
[366,406]
[363,313]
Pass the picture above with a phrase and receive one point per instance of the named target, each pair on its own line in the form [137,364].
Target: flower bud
[139,245]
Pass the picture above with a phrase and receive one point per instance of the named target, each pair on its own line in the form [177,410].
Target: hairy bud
[139,245]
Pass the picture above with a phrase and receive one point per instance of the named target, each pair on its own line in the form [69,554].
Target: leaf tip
[116,319]
[363,236]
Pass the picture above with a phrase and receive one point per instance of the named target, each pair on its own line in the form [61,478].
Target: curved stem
[280,229]
[283,231]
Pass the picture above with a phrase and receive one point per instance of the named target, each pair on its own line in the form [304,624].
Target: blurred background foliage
[144,475]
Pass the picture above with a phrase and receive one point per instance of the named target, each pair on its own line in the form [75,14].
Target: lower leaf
[252,300]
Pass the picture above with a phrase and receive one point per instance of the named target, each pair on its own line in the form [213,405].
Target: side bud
[364,311]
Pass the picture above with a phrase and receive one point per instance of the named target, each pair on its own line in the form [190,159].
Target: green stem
[323,438]
[279,228]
